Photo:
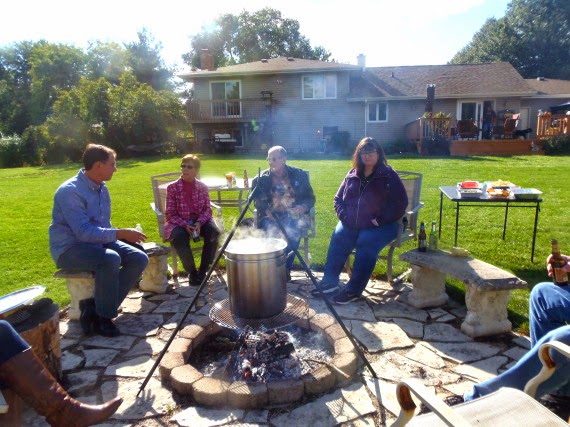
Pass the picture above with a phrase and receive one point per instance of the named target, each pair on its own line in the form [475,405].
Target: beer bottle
[559,276]
[433,238]
[422,243]
[245,179]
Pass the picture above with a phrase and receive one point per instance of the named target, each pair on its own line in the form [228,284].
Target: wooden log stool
[41,331]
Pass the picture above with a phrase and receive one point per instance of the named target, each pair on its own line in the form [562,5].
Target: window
[377,112]
[226,90]
[319,86]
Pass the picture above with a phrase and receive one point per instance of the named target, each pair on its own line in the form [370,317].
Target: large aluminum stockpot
[257,279]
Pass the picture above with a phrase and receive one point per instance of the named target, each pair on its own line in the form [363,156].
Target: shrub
[437,145]
[10,151]
[35,142]
[557,144]
[400,146]
[340,142]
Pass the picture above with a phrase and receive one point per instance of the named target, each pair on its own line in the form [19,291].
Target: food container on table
[500,184]
[526,193]
[469,189]
[498,192]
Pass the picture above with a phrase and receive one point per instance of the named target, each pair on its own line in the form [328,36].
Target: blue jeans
[292,228]
[549,309]
[487,127]
[528,367]
[117,267]
[11,343]
[368,242]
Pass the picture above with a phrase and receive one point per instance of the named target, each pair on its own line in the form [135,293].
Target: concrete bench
[81,284]
[487,288]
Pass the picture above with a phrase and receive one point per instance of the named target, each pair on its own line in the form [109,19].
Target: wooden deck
[499,147]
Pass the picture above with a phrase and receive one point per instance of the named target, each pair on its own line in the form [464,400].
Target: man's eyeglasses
[186,167]
[273,159]
[368,152]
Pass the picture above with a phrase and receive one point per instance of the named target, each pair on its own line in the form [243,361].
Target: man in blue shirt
[81,237]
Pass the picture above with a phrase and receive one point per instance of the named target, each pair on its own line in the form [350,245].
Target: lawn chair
[159,184]
[408,229]
[509,128]
[466,129]
[505,407]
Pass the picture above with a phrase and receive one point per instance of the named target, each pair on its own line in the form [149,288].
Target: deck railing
[228,110]
[552,124]
[426,128]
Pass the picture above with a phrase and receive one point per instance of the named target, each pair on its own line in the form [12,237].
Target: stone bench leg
[428,288]
[486,313]
[79,288]
[154,278]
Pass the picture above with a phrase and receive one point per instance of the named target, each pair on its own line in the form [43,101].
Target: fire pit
[219,391]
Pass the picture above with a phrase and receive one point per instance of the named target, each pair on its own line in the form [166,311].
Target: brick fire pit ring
[212,392]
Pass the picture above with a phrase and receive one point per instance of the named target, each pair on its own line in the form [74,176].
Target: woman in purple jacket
[369,203]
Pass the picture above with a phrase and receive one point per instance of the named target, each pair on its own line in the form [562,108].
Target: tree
[138,114]
[53,67]
[146,63]
[252,36]
[107,60]
[15,87]
[534,36]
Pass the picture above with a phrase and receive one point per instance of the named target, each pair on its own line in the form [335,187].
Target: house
[302,104]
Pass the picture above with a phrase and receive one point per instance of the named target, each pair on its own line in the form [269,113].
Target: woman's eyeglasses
[368,152]
[186,167]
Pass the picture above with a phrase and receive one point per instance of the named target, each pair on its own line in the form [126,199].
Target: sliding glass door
[229,90]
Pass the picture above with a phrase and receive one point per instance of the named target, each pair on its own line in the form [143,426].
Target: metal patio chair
[408,229]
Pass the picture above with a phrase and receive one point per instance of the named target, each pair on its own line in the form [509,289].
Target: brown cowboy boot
[27,376]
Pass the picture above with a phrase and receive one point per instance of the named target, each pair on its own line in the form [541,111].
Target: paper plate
[19,298]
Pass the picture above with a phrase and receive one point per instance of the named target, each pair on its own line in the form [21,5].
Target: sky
[396,32]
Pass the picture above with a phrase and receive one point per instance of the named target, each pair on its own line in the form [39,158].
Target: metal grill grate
[296,308]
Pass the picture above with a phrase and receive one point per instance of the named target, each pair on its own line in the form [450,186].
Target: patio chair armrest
[217,208]
[438,407]
[218,217]
[548,365]
[416,209]
[155,210]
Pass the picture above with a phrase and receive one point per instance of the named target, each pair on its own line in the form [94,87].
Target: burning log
[259,354]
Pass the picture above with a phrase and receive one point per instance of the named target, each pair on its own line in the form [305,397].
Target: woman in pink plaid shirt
[188,213]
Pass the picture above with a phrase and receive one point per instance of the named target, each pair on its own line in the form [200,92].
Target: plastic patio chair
[505,407]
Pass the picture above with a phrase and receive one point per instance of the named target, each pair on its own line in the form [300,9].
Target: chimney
[206,60]
[430,98]
[361,61]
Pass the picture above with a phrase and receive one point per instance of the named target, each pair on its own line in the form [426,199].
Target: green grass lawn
[27,194]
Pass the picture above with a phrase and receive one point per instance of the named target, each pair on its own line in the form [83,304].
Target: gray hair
[279,150]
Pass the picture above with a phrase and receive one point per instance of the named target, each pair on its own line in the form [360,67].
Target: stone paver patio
[399,341]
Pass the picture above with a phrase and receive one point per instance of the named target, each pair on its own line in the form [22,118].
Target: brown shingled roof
[271,66]
[550,86]
[493,79]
